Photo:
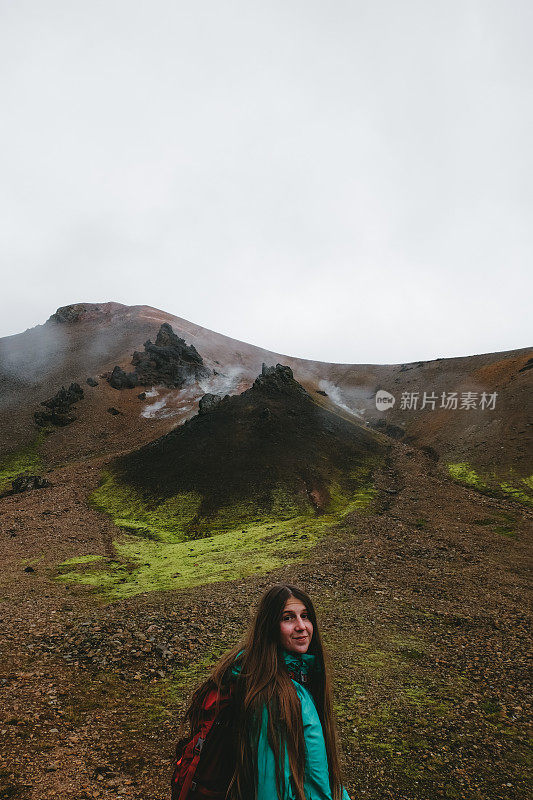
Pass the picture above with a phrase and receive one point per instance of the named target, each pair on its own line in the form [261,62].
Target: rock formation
[169,361]
[59,407]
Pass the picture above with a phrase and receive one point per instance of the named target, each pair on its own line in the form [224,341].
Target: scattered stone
[123,380]
[29,569]
[114,411]
[24,483]
[59,407]
[91,382]
[142,396]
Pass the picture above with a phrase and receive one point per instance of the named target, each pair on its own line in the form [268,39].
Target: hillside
[87,340]
[163,508]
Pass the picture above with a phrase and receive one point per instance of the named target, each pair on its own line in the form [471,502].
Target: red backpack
[205,763]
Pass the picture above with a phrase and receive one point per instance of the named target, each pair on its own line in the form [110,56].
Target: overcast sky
[347,181]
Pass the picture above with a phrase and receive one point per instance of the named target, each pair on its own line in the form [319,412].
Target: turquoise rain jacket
[316,775]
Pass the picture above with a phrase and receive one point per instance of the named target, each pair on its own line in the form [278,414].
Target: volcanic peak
[270,447]
[272,382]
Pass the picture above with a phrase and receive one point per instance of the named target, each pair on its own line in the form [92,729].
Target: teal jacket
[316,775]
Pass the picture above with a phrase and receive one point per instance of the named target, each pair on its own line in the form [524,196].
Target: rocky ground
[423,604]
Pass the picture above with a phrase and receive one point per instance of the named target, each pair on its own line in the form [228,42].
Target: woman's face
[296,629]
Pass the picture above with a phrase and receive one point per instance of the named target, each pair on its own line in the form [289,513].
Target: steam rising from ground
[355,400]
[27,357]
[184,402]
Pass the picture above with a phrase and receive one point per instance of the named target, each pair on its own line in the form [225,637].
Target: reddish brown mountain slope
[91,339]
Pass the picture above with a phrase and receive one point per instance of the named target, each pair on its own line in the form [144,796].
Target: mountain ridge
[97,337]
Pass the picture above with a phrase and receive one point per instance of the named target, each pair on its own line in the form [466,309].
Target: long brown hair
[264,681]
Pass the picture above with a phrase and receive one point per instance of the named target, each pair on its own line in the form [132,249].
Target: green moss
[398,706]
[165,521]
[24,460]
[149,565]
[517,493]
[80,560]
[464,473]
[519,489]
[33,560]
[528,482]
[168,697]
[170,544]
[490,706]
[359,495]
[501,522]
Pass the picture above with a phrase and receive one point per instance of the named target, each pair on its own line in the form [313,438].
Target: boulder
[59,407]
[208,402]
[123,380]
[25,483]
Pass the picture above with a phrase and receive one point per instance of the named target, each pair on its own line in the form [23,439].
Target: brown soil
[432,584]
[34,365]
[423,601]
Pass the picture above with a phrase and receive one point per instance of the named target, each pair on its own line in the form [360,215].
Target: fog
[348,182]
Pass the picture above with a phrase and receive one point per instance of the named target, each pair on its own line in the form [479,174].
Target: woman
[284,742]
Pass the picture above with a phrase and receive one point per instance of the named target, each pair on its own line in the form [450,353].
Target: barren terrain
[422,593]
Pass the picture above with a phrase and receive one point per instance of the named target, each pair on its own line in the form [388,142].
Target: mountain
[87,340]
[156,477]
[268,452]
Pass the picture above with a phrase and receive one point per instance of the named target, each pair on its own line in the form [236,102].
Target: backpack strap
[210,708]
[189,783]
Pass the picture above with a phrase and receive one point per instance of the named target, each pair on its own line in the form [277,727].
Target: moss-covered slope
[269,453]
[250,483]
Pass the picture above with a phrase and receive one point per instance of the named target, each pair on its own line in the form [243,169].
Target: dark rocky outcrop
[123,380]
[77,313]
[169,361]
[278,379]
[25,483]
[208,402]
[60,407]
[68,314]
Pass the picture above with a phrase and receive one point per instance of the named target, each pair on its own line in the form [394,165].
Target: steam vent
[268,451]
